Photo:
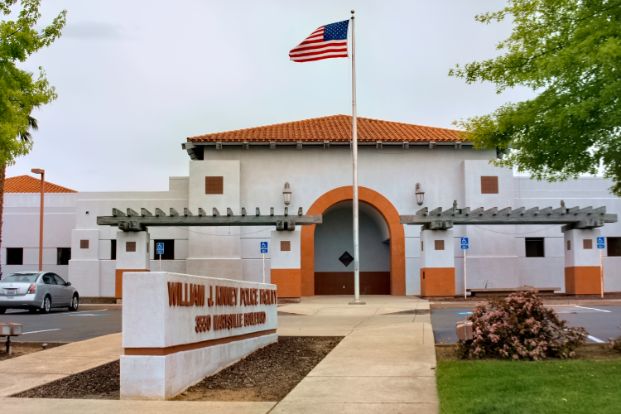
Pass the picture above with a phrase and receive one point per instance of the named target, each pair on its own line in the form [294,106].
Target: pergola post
[582,262]
[285,269]
[437,273]
[132,255]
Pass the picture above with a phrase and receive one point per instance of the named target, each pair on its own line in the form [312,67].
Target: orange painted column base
[118,280]
[288,282]
[583,280]
[437,281]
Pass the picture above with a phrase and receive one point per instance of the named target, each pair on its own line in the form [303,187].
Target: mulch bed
[266,375]
[23,348]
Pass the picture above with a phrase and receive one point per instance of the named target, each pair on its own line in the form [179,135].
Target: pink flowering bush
[519,327]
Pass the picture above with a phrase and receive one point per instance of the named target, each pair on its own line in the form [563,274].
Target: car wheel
[75,303]
[47,305]
[2,310]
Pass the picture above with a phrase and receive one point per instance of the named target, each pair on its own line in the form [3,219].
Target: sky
[135,78]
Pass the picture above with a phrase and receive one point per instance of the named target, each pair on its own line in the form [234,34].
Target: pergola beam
[132,221]
[571,218]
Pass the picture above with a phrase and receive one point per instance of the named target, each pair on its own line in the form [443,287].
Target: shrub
[616,344]
[519,327]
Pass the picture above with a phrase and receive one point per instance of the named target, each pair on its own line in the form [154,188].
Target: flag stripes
[326,42]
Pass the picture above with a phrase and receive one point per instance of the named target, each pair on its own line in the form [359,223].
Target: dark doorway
[334,252]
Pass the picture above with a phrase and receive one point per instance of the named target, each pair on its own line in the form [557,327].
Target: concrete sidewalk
[385,364]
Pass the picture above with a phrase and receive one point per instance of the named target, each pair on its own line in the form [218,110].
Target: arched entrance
[390,216]
[334,247]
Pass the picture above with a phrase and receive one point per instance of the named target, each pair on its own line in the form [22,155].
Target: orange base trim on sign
[583,280]
[437,281]
[194,345]
[288,281]
[118,280]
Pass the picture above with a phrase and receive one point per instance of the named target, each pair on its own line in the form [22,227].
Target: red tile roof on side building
[28,184]
[335,128]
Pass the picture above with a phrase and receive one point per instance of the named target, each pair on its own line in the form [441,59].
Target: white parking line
[595,339]
[42,330]
[88,312]
[593,309]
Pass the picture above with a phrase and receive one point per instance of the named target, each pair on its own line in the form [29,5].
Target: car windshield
[21,278]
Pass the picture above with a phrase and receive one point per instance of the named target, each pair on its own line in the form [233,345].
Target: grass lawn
[490,386]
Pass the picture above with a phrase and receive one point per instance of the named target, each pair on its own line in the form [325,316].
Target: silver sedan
[37,291]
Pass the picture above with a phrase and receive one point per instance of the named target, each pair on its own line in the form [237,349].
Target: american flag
[327,42]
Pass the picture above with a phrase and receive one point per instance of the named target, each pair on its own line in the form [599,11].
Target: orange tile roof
[335,128]
[29,184]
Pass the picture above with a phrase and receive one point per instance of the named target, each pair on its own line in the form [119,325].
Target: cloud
[93,30]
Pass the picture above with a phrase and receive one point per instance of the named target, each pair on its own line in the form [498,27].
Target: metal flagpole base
[357,302]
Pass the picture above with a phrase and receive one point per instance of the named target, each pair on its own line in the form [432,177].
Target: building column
[437,273]
[132,255]
[285,270]
[582,262]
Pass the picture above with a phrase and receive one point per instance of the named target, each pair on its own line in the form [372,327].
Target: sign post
[464,243]
[159,250]
[264,249]
[601,245]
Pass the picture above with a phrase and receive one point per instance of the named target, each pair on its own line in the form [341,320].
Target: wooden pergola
[570,218]
[131,220]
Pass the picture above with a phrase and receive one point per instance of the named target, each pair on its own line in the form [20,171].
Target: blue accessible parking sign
[263,247]
[601,242]
[159,248]
[464,243]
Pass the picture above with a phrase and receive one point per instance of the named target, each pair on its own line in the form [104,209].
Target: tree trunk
[2,177]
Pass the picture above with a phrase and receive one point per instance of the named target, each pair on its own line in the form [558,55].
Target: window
[63,255]
[130,246]
[169,249]
[489,184]
[84,244]
[59,280]
[587,244]
[214,185]
[535,247]
[48,279]
[438,244]
[113,249]
[285,246]
[568,244]
[14,255]
[614,246]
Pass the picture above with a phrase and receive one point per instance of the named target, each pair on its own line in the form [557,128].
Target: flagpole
[354,149]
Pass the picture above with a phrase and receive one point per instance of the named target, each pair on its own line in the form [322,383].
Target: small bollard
[464,330]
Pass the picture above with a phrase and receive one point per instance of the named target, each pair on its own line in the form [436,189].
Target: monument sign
[178,329]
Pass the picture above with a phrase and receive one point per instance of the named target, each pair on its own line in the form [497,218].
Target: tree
[20,91]
[569,53]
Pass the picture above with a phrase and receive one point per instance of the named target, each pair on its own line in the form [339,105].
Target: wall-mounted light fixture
[420,194]
[286,194]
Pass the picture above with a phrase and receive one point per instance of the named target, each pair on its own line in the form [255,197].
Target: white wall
[20,228]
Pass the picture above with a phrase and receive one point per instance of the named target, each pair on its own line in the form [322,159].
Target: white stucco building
[249,168]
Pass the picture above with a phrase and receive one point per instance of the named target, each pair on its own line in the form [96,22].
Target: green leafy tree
[21,91]
[569,53]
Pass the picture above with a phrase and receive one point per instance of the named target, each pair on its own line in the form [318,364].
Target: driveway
[601,322]
[63,326]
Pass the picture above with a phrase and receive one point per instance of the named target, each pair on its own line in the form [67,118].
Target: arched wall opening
[390,216]
[334,252]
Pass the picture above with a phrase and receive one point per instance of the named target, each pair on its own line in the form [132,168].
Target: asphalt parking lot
[64,326]
[601,322]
